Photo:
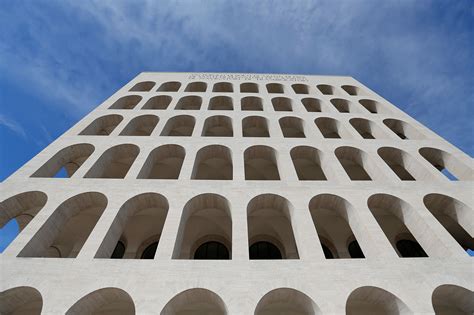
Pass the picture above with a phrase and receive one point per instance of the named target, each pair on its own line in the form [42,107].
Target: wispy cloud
[12,125]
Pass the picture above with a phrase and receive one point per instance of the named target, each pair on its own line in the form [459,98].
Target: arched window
[115,162]
[140,126]
[199,301]
[221,103]
[331,128]
[213,162]
[367,129]
[409,248]
[144,86]
[292,127]
[149,252]
[102,126]
[373,107]
[342,105]
[255,126]
[217,126]
[212,250]
[260,163]
[164,162]
[251,103]
[300,88]
[179,126]
[326,89]
[311,104]
[225,87]
[264,250]
[191,102]
[403,164]
[126,102]
[356,163]
[307,162]
[104,301]
[158,102]
[352,90]
[447,164]
[249,87]
[21,300]
[275,88]
[196,87]
[171,86]
[282,104]
[402,129]
[453,300]
[374,300]
[286,301]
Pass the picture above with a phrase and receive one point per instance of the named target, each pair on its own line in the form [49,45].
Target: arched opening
[179,126]
[326,89]
[269,221]
[102,126]
[282,104]
[372,106]
[333,218]
[255,126]
[403,164]
[105,301]
[206,218]
[195,301]
[66,162]
[447,164]
[211,250]
[158,102]
[331,128]
[373,300]
[292,127]
[136,229]
[402,129]
[171,86]
[261,163]
[164,162]
[300,88]
[311,104]
[16,213]
[191,102]
[449,299]
[115,162]
[286,301]
[21,300]
[221,103]
[67,229]
[307,162]
[275,88]
[455,216]
[213,162]
[398,221]
[356,163]
[367,129]
[342,105]
[249,87]
[251,103]
[224,87]
[352,90]
[196,87]
[140,126]
[144,86]
[218,126]
[126,102]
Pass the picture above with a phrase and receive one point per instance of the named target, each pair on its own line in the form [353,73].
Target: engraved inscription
[247,77]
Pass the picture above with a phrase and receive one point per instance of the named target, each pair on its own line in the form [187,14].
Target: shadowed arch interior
[196,301]
[21,301]
[374,300]
[105,301]
[449,299]
[164,162]
[102,126]
[114,162]
[140,126]
[307,162]
[179,126]
[286,301]
[213,162]
[260,163]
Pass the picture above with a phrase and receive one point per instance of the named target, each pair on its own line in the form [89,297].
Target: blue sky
[60,59]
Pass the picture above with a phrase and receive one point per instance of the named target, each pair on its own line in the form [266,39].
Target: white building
[239,189]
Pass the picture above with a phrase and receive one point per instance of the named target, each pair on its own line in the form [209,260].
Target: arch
[144,86]
[21,208]
[66,162]
[326,89]
[102,126]
[196,301]
[138,224]
[221,103]
[300,88]
[307,162]
[251,103]
[164,162]
[282,104]
[206,217]
[449,299]
[334,219]
[356,163]
[292,127]
[191,102]
[224,87]
[455,216]
[403,164]
[21,300]
[367,128]
[399,221]
[342,105]
[286,301]
[374,300]
[126,102]
[373,106]
[213,162]
[248,87]
[140,126]
[261,163]
[105,301]
[447,164]
[212,250]
[171,86]
[67,229]
[255,126]
[114,162]
[275,88]
[264,250]
[402,129]
[196,87]
[331,128]
[217,126]
[179,126]
[269,219]
[312,104]
[158,102]
[352,90]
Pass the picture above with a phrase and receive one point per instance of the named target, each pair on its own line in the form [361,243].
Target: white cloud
[12,125]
